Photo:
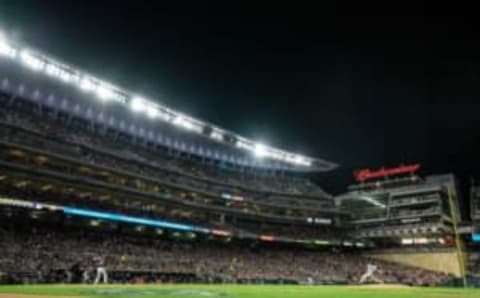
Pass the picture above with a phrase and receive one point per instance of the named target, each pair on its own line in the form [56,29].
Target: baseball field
[231,291]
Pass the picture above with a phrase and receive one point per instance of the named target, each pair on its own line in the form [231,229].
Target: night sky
[363,88]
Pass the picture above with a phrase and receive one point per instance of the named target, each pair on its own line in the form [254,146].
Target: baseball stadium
[105,192]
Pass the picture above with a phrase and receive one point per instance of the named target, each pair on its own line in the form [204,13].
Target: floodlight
[87,85]
[164,115]
[5,48]
[260,150]
[180,121]
[187,124]
[216,135]
[195,126]
[152,112]
[301,160]
[52,69]
[32,61]
[104,92]
[298,159]
[137,104]
[65,76]
[278,155]
[245,145]
[55,71]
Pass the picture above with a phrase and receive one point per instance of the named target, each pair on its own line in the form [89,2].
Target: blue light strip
[133,220]
[476,237]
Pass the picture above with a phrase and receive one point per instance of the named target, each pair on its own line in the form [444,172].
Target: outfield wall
[446,262]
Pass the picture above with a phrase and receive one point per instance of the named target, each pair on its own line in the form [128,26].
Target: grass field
[232,291]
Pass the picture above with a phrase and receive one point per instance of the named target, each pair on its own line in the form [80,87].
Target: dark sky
[363,88]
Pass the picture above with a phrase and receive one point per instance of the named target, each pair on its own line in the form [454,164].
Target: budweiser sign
[366,174]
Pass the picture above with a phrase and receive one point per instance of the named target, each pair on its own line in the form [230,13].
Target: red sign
[366,174]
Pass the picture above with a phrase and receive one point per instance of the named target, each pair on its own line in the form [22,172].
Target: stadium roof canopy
[50,67]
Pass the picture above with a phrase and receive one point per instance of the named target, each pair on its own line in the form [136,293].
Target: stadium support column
[458,240]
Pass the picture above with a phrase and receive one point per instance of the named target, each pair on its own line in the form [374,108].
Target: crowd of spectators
[41,250]
[51,125]
[177,215]
[473,262]
[38,251]
[310,232]
[408,211]
[252,188]
[153,211]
